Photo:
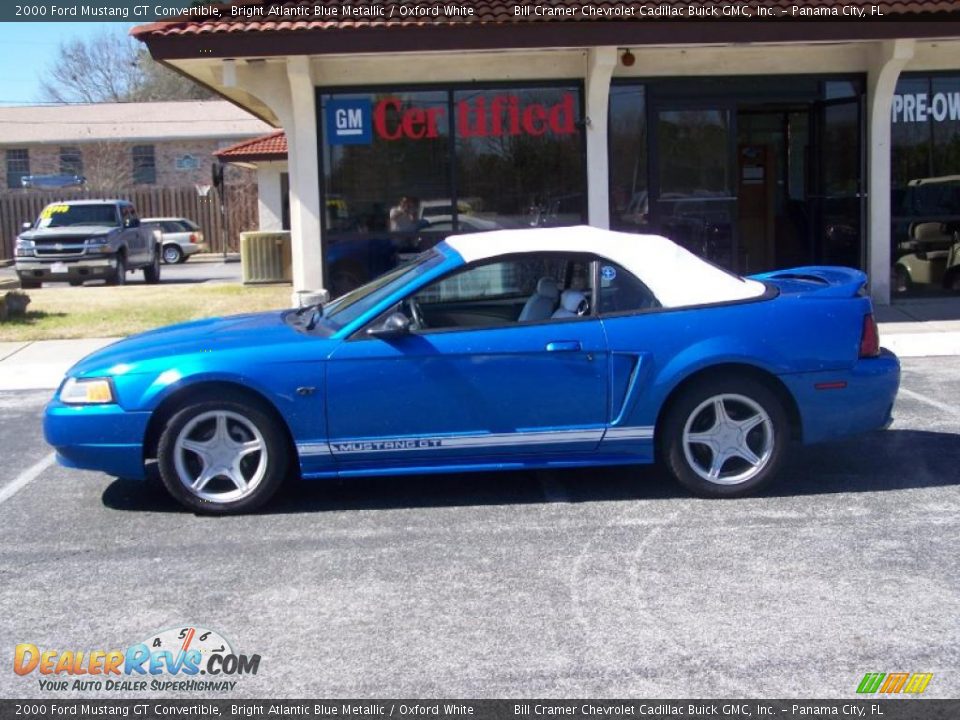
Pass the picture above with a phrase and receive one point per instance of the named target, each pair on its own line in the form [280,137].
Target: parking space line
[26,477]
[951,410]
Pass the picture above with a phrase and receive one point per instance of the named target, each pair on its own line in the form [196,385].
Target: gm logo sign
[348,122]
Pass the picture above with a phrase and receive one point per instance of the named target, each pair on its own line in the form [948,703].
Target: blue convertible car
[539,348]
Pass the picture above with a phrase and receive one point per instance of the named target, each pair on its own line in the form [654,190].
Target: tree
[113,67]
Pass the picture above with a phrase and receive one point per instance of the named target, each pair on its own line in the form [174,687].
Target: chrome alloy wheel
[728,439]
[220,456]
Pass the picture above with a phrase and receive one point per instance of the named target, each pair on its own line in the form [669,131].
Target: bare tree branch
[112,67]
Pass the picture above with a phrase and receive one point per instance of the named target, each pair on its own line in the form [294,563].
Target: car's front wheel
[151,272]
[222,456]
[119,274]
[172,254]
[724,436]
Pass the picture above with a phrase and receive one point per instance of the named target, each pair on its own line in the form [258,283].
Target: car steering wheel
[415,312]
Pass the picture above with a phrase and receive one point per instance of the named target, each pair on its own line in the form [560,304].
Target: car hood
[233,333]
[68,231]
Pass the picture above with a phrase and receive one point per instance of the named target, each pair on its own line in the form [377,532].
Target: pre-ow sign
[354,122]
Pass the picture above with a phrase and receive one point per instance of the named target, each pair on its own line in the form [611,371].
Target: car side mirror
[131,222]
[393,325]
[26,225]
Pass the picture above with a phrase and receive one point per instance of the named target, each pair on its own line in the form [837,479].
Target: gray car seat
[573,303]
[541,304]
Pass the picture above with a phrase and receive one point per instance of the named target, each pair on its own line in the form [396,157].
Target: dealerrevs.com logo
[171,660]
[894,683]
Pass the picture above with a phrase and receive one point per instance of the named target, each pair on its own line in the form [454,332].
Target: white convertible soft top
[677,277]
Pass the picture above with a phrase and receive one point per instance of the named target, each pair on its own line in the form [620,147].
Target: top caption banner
[143,12]
[146,709]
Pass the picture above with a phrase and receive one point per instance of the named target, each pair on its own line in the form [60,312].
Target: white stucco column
[304,166]
[600,64]
[888,60]
[270,196]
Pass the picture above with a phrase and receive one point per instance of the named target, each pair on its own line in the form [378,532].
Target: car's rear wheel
[724,436]
[151,273]
[222,456]
[172,254]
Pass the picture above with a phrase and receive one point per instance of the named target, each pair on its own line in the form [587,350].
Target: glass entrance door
[837,196]
[693,201]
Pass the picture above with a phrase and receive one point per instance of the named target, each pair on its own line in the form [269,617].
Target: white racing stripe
[629,432]
[490,440]
[26,477]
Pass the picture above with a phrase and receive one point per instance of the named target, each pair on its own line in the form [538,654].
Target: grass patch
[90,312]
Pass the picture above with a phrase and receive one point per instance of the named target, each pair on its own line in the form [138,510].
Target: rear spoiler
[825,281]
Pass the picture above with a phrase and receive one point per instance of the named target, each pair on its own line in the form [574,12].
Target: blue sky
[27,49]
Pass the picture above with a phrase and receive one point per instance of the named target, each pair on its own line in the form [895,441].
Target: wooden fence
[17,206]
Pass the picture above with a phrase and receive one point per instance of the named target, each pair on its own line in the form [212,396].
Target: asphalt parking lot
[209,268]
[586,583]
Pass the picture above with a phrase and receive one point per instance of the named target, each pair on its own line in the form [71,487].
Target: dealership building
[758,144]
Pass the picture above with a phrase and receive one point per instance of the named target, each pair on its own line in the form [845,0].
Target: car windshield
[65,215]
[347,308]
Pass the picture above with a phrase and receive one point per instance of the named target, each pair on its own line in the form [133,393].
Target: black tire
[151,272]
[119,276]
[901,280]
[193,421]
[172,254]
[29,283]
[952,282]
[741,398]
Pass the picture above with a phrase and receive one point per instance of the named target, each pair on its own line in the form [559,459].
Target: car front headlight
[98,244]
[92,391]
[25,248]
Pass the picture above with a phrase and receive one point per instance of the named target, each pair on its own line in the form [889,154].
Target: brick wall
[110,165]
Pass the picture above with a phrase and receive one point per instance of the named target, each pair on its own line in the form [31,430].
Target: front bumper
[97,437]
[66,268]
[865,403]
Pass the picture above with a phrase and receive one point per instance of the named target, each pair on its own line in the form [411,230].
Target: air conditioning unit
[266,257]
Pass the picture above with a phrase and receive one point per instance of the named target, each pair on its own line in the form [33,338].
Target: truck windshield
[65,215]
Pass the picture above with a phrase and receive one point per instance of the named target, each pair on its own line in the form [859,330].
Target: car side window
[172,227]
[621,291]
[523,289]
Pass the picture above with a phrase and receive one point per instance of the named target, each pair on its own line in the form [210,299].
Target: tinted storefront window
[751,173]
[629,199]
[405,169]
[925,201]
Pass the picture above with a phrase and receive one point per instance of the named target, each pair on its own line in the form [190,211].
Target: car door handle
[563,346]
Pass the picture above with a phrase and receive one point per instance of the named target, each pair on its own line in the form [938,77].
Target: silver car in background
[181,238]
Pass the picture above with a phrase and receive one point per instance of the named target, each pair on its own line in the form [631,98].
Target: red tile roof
[266,147]
[284,16]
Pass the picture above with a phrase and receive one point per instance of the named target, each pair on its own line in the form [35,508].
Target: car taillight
[869,338]
[193,237]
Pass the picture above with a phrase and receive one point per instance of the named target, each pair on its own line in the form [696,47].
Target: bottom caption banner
[494,709]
